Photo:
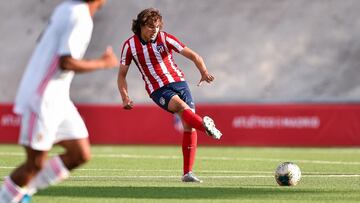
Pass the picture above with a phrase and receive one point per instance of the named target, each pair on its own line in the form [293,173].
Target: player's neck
[146,40]
[93,7]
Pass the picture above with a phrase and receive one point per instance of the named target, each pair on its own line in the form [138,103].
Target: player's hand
[206,77]
[109,58]
[128,104]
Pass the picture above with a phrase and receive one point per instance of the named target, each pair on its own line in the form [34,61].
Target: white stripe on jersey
[175,68]
[162,35]
[150,66]
[162,64]
[175,44]
[123,59]
[133,50]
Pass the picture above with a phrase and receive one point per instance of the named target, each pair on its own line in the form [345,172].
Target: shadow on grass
[173,192]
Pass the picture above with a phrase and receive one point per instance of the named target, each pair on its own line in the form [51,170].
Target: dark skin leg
[35,160]
[77,152]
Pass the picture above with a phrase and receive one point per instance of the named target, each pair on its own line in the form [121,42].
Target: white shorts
[52,124]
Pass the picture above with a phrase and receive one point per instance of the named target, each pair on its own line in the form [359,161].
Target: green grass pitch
[230,174]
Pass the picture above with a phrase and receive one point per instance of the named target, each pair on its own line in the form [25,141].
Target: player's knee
[177,110]
[84,157]
[177,107]
[75,158]
[81,158]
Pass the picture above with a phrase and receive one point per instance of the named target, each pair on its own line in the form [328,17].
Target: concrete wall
[259,50]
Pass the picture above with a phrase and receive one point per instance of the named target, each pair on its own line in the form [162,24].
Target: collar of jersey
[143,41]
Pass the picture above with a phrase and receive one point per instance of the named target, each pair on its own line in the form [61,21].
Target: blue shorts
[163,95]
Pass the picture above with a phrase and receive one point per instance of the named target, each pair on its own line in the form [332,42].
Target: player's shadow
[170,192]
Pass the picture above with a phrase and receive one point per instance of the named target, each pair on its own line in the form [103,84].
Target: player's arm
[199,63]
[107,60]
[122,85]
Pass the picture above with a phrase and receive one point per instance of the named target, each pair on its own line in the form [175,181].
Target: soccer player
[152,51]
[48,116]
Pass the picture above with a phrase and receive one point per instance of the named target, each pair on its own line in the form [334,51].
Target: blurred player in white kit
[48,116]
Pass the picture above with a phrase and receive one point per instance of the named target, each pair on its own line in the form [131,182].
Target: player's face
[150,31]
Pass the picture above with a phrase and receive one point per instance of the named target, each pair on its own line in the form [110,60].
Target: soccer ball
[287,174]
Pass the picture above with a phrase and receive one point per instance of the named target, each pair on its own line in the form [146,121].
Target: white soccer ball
[287,174]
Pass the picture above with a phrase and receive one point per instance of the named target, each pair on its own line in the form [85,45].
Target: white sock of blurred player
[10,192]
[53,172]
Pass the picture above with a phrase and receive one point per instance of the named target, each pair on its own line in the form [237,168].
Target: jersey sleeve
[126,56]
[173,43]
[75,38]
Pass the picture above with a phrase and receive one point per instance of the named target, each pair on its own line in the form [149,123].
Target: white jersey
[68,33]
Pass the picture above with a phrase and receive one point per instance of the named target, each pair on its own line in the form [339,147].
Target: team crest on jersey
[160,47]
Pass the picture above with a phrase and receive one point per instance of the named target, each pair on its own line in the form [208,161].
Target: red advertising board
[241,124]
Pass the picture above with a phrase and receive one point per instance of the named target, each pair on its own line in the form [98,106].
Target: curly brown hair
[146,17]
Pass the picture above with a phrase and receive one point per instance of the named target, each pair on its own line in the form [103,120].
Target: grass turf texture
[230,174]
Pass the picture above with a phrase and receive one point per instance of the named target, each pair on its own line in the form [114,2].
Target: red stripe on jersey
[154,60]
[168,60]
[156,64]
[164,53]
[143,65]
[126,56]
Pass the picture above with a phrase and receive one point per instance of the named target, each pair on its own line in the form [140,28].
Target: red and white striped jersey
[154,59]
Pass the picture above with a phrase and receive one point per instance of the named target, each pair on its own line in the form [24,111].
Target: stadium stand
[260,51]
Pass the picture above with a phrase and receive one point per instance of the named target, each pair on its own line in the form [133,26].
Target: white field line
[210,177]
[129,156]
[169,177]
[160,170]
[177,177]
[257,173]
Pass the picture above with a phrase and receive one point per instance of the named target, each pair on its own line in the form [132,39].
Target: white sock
[53,172]
[10,192]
